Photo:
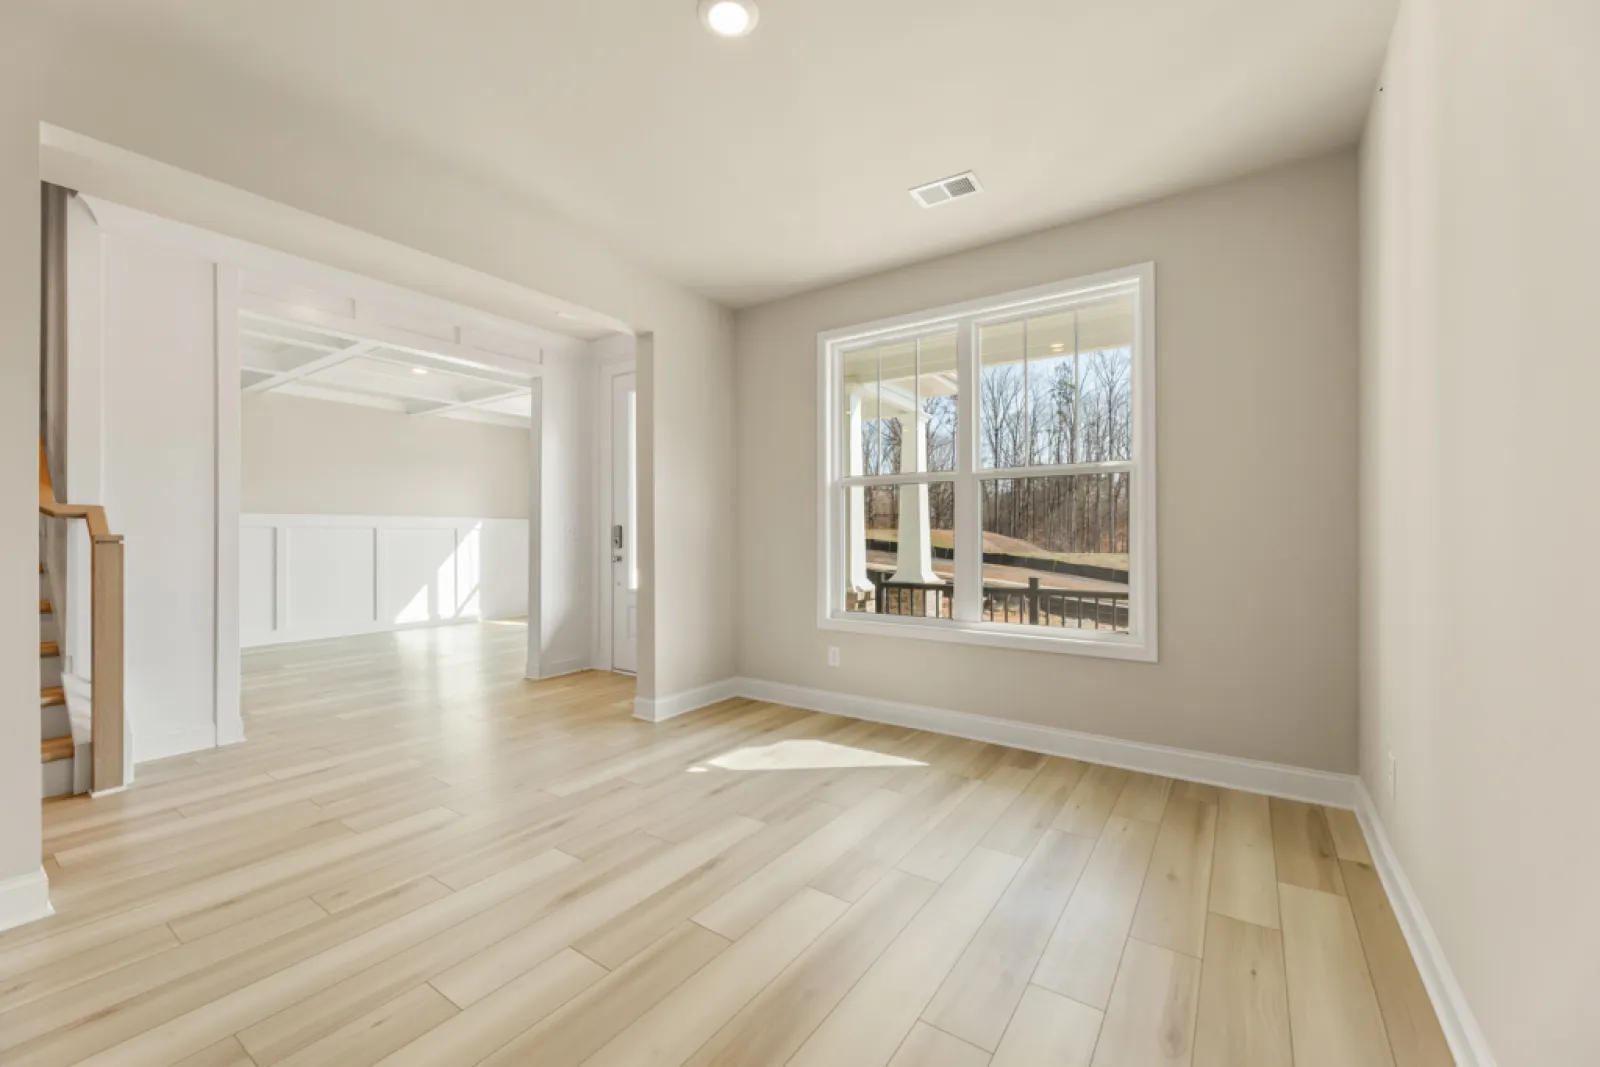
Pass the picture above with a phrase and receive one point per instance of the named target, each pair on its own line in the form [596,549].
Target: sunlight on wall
[417,608]
[451,591]
[804,755]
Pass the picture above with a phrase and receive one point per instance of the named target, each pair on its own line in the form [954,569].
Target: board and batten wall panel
[309,577]
[419,582]
[329,575]
[258,580]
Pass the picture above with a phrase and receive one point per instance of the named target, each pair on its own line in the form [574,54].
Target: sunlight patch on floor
[806,755]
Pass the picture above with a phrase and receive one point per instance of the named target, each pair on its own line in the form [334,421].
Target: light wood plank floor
[419,858]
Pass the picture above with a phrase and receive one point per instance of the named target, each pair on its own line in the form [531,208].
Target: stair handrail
[108,771]
[93,514]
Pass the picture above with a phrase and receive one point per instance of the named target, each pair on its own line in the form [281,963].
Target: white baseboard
[1467,1043]
[670,707]
[307,635]
[560,667]
[230,732]
[24,899]
[1252,776]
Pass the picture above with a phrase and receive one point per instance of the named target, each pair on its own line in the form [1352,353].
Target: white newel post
[914,555]
[857,548]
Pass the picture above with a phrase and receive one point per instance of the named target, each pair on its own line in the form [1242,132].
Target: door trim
[606,373]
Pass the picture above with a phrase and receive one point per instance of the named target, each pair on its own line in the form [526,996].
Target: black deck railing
[1034,605]
[929,600]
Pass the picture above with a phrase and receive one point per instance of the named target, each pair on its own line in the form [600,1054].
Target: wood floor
[418,858]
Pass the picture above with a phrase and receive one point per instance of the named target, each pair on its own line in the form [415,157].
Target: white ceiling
[753,168]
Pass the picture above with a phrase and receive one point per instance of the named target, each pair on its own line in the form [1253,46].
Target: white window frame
[1140,642]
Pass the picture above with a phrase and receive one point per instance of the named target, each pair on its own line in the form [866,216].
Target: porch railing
[1034,605]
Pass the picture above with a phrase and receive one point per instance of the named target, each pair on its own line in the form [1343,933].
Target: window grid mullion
[931,478]
[1056,470]
[918,453]
[968,604]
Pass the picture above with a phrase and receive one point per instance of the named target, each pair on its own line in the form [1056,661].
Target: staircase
[93,760]
[56,748]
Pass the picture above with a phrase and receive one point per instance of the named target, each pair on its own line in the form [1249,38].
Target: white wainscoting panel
[418,583]
[308,577]
[258,581]
[330,572]
[501,584]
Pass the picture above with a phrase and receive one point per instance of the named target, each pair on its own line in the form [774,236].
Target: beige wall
[1256,320]
[1480,567]
[316,457]
[19,428]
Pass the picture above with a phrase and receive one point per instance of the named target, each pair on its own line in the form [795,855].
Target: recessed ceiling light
[729,18]
[419,370]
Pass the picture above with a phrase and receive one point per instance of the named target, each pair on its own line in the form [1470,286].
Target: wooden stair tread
[52,749]
[52,696]
[45,607]
[48,649]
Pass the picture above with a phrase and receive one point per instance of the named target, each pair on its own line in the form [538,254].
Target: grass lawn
[997,543]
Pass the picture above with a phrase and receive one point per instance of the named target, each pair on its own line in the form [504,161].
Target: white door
[624,510]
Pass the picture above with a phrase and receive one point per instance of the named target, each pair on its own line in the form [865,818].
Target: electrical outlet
[833,655]
[1391,777]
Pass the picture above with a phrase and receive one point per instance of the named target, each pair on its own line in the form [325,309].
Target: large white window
[988,471]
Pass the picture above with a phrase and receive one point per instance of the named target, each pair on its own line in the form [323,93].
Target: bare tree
[1076,411]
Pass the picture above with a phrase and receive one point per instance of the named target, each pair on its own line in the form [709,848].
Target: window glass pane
[900,549]
[886,388]
[1105,379]
[1056,551]
[937,392]
[633,491]
[1002,396]
[1052,388]
[1058,388]
[860,422]
[897,385]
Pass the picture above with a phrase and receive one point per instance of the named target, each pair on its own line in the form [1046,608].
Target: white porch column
[856,547]
[914,555]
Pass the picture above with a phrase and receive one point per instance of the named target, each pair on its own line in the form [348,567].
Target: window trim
[1138,645]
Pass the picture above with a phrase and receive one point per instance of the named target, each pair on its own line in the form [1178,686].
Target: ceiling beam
[285,339]
[489,376]
[276,313]
[482,401]
[332,359]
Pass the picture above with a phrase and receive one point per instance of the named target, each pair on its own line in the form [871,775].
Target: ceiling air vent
[947,189]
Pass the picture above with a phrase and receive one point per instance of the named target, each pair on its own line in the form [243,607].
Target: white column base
[25,899]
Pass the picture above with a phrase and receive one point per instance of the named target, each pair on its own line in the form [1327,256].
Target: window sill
[997,635]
